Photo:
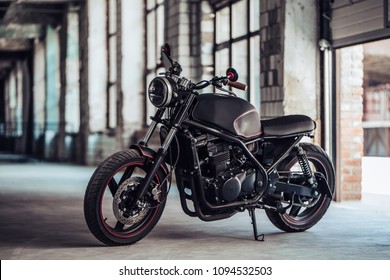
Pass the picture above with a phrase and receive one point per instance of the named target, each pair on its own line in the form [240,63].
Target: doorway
[350,25]
[376,117]
[363,98]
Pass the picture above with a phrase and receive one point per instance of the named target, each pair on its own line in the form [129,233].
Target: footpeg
[280,208]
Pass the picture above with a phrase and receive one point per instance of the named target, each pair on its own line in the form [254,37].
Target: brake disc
[125,210]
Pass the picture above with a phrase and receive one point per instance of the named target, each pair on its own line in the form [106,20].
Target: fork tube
[148,134]
[160,112]
[161,153]
[159,158]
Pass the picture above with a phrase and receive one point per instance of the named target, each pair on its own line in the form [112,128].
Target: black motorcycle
[226,160]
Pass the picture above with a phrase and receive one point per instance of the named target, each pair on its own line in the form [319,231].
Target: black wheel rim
[296,215]
[107,218]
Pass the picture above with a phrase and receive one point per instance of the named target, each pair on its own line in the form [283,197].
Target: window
[154,39]
[237,43]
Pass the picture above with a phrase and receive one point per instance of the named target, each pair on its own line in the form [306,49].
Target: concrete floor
[41,217]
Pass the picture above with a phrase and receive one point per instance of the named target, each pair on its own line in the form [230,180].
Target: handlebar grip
[237,85]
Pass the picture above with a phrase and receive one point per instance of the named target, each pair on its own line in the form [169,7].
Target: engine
[227,175]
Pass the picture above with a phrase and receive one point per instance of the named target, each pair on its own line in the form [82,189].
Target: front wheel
[300,218]
[112,213]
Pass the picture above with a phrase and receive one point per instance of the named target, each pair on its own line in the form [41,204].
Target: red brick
[353,162]
[352,179]
[345,155]
[357,171]
[346,170]
[351,196]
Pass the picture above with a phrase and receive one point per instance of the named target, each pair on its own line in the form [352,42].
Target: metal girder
[21,31]
[35,13]
[13,45]
[50,1]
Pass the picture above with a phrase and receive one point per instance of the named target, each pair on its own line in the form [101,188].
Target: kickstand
[258,237]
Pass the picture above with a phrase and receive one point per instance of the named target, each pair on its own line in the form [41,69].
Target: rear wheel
[300,218]
[112,213]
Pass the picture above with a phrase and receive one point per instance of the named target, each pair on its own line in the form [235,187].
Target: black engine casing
[232,184]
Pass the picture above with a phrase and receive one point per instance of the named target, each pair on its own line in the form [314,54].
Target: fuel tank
[231,114]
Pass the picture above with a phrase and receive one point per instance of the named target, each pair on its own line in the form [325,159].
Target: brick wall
[183,24]
[290,82]
[271,49]
[350,134]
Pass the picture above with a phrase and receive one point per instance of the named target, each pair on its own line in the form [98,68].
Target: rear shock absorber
[304,164]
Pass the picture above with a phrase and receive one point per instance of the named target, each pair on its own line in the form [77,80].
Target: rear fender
[323,185]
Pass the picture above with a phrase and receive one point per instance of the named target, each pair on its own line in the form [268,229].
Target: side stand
[258,237]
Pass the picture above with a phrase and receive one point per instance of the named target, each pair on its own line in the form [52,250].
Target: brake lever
[220,82]
[226,90]
[217,82]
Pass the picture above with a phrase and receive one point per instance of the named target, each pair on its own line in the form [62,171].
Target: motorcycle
[226,160]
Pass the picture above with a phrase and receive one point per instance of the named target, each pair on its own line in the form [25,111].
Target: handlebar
[219,82]
[237,85]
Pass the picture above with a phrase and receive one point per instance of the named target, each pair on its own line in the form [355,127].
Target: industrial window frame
[152,7]
[251,95]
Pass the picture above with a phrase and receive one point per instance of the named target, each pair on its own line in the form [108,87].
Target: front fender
[149,153]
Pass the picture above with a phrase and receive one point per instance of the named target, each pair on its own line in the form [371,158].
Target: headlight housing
[162,92]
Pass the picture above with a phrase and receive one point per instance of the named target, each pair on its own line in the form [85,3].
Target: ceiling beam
[50,1]
[21,31]
[15,45]
[34,13]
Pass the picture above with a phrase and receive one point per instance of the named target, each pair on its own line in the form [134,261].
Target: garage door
[359,21]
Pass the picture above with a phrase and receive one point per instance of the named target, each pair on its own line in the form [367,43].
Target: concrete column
[207,40]
[27,106]
[39,96]
[52,91]
[301,59]
[72,115]
[132,66]
[289,58]
[97,65]
[119,92]
[82,139]
[63,38]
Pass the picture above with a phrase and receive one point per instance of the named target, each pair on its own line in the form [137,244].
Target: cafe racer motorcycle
[225,160]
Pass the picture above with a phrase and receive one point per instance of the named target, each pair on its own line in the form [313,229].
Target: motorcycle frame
[196,183]
[177,122]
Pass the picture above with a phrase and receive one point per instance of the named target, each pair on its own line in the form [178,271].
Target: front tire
[298,218]
[111,212]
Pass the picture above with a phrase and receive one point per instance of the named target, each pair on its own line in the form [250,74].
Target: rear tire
[295,220]
[111,212]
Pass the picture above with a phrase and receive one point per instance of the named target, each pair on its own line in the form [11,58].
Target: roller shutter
[359,21]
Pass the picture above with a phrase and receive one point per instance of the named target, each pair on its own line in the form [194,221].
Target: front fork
[158,116]
[176,121]
[158,160]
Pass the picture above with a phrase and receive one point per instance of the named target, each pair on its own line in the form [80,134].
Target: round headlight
[161,91]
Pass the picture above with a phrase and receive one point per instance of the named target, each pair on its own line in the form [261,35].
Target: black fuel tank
[231,114]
